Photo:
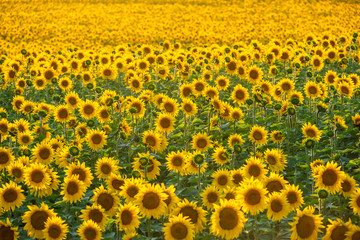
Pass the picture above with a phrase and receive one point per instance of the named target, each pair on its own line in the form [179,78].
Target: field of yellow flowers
[179,119]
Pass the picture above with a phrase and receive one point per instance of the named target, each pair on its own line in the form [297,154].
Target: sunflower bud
[26,152]
[277,106]
[90,86]
[258,98]
[144,161]
[3,115]
[136,174]
[355,35]
[327,61]
[295,101]
[51,91]
[309,143]
[289,71]
[297,65]
[249,101]
[344,60]
[98,90]
[42,113]
[199,159]
[132,110]
[227,59]
[309,74]
[151,86]
[88,62]
[72,75]
[18,91]
[190,61]
[23,52]
[90,123]
[237,148]
[29,83]
[322,193]
[56,98]
[74,151]
[291,110]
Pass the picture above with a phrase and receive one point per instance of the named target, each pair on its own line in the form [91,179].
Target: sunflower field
[179,119]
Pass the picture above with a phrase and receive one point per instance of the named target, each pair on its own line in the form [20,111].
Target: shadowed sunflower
[16,170]
[178,228]
[55,229]
[235,139]
[115,182]
[11,196]
[35,220]
[150,201]
[274,183]
[89,230]
[220,155]
[172,199]
[306,225]
[152,140]
[81,171]
[128,217]
[151,164]
[227,221]
[95,213]
[237,176]
[138,105]
[353,233]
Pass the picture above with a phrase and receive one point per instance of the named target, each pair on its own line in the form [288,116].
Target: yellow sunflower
[65,84]
[275,159]
[195,213]
[353,233]
[175,161]
[220,155]
[222,82]
[152,165]
[306,225]
[16,170]
[355,201]
[329,177]
[73,189]
[237,176]
[336,230]
[128,217]
[278,207]
[25,138]
[311,131]
[179,228]
[106,166]
[43,153]
[222,179]
[201,142]
[62,113]
[345,89]
[35,220]
[348,185]
[252,196]
[11,196]
[89,230]
[152,140]
[81,171]
[96,139]
[258,135]
[286,85]
[88,109]
[6,157]
[8,231]
[150,201]
[312,90]
[210,196]
[254,168]
[235,139]
[294,196]
[170,106]
[115,182]
[227,220]
[274,183]
[95,213]
[55,229]
[165,123]
[106,199]
[188,107]
[137,105]
[130,189]
[254,74]
[37,177]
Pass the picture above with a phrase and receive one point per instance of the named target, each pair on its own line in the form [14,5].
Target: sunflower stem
[148,225]
[199,182]
[254,112]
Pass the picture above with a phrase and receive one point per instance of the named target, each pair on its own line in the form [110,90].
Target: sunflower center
[12,74]
[312,90]
[106,201]
[169,107]
[329,177]
[132,191]
[241,71]
[177,161]
[199,87]
[331,55]
[162,72]
[232,66]
[72,188]
[186,92]
[331,78]
[237,178]
[86,77]
[317,62]
[236,115]
[257,135]
[142,65]
[96,138]
[190,212]
[107,72]
[254,74]
[222,180]
[49,75]
[310,133]
[88,109]
[286,86]
[25,140]
[211,93]
[54,231]
[212,197]
[228,218]
[16,172]
[150,140]
[358,201]
[179,231]
[38,220]
[10,195]
[229,196]
[188,108]
[117,184]
[105,168]
[44,153]
[6,233]
[345,90]
[356,236]
[253,197]
[254,170]
[276,206]
[165,123]
[64,83]
[37,176]
[339,233]
[90,233]
[346,186]
[126,217]
[81,174]
[151,200]
[274,186]
[168,199]
[95,215]
[271,160]
[201,143]
[305,226]
[4,157]
[63,113]
[222,83]
[3,128]
[222,156]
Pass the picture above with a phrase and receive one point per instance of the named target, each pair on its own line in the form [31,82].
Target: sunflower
[193,212]
[312,90]
[236,114]
[227,221]
[355,79]
[65,84]
[17,102]
[254,168]
[222,82]
[40,83]
[88,109]
[222,179]
[200,86]
[73,189]
[128,217]
[306,224]
[150,201]
[220,155]
[108,72]
[106,166]
[62,113]
[27,107]
[4,128]
[152,140]
[186,90]
[165,123]
[136,84]
[201,142]
[6,157]
[81,171]
[329,177]
[331,54]
[152,165]
[36,176]
[311,131]
[231,67]
[254,74]
[115,182]
[175,161]
[43,153]
[353,233]
[95,213]
[130,189]
[89,230]
[330,77]
[317,62]
[336,230]
[55,229]
[191,167]
[298,95]
[278,207]
[188,107]
[275,160]
[170,106]
[35,220]
[138,105]
[210,196]
[178,228]
[252,196]
[96,139]
[274,183]
[7,231]
[345,89]
[294,196]
[237,176]
[11,196]
[258,135]
[16,170]
[211,92]
[106,199]
[348,185]
[235,139]
[286,85]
